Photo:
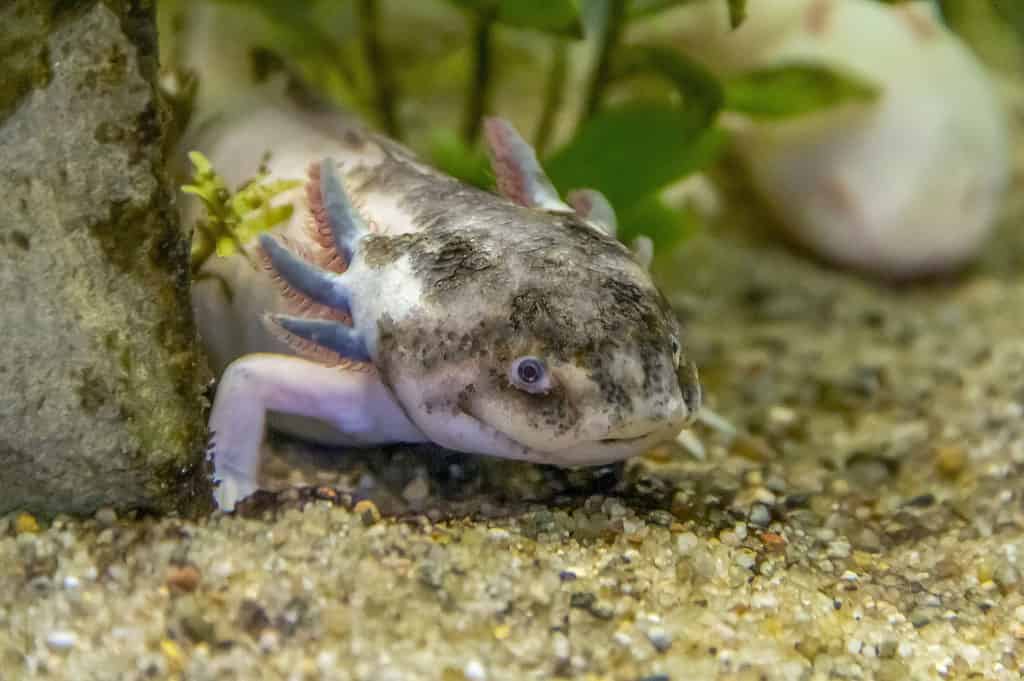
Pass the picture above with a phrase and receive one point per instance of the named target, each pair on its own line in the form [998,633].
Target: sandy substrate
[865,520]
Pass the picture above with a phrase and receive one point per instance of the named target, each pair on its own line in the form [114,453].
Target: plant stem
[554,91]
[384,86]
[478,96]
[610,37]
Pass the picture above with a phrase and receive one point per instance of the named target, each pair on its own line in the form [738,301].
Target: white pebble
[660,639]
[498,534]
[326,661]
[686,542]
[970,653]
[689,441]
[61,639]
[560,646]
[764,601]
[474,671]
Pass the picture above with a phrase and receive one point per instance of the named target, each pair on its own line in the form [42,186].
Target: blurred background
[873,135]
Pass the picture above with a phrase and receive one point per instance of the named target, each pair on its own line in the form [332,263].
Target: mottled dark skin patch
[519,282]
[354,140]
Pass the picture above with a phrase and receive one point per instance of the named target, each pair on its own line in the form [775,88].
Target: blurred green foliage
[630,152]
[641,8]
[1013,12]
[649,117]
[558,17]
[792,90]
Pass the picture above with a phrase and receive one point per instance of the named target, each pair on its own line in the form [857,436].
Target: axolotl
[399,305]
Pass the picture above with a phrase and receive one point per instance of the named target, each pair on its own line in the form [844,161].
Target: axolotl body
[401,305]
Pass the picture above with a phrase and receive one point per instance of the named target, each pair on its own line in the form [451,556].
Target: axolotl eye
[529,374]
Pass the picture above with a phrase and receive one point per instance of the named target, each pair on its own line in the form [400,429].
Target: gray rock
[101,402]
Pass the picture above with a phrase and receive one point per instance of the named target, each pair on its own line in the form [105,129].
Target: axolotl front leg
[353,400]
[347,394]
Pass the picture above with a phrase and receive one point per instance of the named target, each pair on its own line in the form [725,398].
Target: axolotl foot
[353,400]
[232,488]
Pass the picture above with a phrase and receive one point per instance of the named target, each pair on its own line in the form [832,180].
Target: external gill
[339,225]
[521,179]
[312,289]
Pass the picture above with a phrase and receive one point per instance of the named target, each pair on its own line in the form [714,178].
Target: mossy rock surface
[102,385]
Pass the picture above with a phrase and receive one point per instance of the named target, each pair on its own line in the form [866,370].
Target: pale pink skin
[352,405]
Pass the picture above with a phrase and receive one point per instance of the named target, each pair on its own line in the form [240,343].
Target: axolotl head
[545,341]
[523,328]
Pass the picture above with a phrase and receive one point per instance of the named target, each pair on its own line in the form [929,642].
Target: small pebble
[26,523]
[172,653]
[199,629]
[498,534]
[746,559]
[888,649]
[950,460]
[839,549]
[773,541]
[560,646]
[106,517]
[760,516]
[61,640]
[474,671]
[689,441]
[660,639]
[753,448]
[686,542]
[183,577]
[367,511]
[416,491]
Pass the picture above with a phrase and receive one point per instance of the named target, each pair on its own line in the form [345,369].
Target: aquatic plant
[648,117]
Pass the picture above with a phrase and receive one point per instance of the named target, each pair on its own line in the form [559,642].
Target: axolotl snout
[401,305]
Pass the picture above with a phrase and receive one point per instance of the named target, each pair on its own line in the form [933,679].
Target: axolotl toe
[401,305]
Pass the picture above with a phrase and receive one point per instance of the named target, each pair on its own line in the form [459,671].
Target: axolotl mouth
[598,452]
[585,453]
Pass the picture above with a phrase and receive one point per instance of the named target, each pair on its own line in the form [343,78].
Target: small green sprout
[233,219]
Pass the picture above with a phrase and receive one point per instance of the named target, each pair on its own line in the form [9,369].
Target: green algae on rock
[102,403]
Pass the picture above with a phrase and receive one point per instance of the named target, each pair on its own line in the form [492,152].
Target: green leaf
[633,150]
[793,90]
[642,8]
[1013,12]
[448,152]
[700,90]
[233,218]
[558,17]
[652,217]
